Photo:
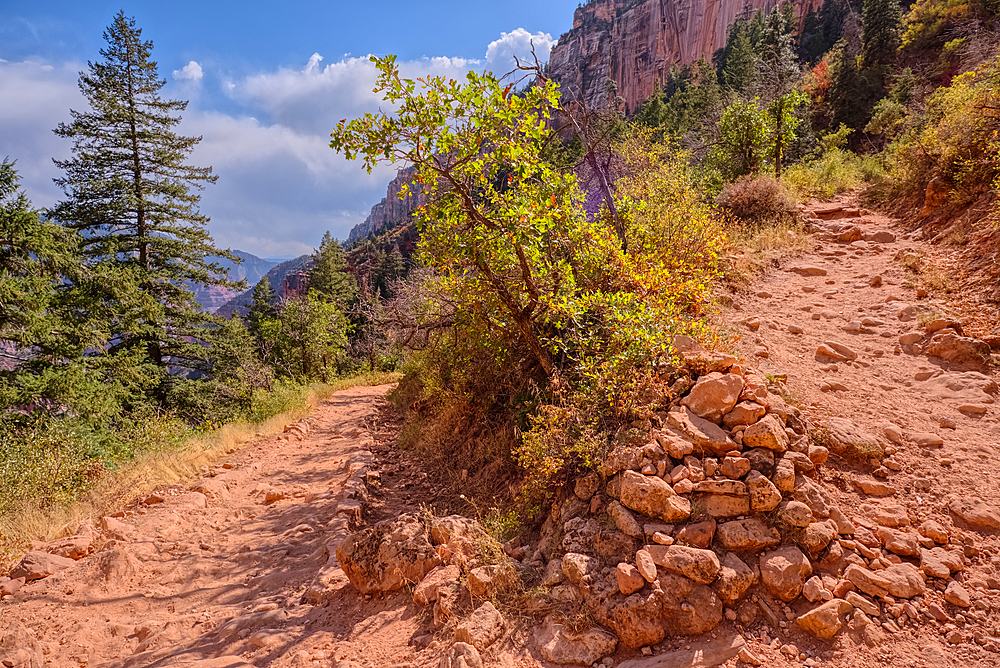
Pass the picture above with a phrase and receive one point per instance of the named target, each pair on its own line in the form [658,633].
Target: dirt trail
[224,576]
[237,570]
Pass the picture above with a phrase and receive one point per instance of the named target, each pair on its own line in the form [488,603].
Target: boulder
[734,468]
[559,643]
[784,571]
[795,514]
[38,565]
[964,350]
[645,565]
[764,496]
[652,496]
[389,555]
[637,620]
[975,513]
[442,576]
[461,655]
[720,506]
[735,578]
[707,436]
[482,628]
[705,653]
[826,620]
[898,542]
[898,580]
[818,535]
[744,413]
[746,535]
[714,395]
[696,534]
[957,595]
[689,608]
[701,566]
[624,520]
[71,547]
[630,580]
[848,440]
[483,581]
[768,433]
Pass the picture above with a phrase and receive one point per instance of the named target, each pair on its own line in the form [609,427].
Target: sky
[266,82]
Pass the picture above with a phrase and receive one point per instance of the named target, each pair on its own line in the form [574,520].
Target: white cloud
[500,53]
[190,72]
[280,185]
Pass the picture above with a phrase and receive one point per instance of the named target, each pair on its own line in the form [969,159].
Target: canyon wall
[391,210]
[635,42]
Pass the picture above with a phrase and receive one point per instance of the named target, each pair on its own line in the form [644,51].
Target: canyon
[635,42]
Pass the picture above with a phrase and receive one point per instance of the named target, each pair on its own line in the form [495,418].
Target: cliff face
[635,42]
[391,210]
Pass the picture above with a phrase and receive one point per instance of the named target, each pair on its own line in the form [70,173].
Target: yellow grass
[30,523]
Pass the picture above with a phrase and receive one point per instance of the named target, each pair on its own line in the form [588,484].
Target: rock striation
[392,210]
[635,42]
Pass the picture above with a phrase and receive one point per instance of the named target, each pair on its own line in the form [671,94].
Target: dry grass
[752,251]
[29,523]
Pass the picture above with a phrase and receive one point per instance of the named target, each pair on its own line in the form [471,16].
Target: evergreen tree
[329,276]
[263,305]
[740,64]
[133,199]
[882,24]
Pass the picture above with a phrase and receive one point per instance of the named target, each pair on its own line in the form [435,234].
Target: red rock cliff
[634,42]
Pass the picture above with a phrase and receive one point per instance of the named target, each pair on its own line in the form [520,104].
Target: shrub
[836,171]
[757,200]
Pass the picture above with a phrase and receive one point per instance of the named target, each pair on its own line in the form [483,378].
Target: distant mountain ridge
[275,276]
[251,269]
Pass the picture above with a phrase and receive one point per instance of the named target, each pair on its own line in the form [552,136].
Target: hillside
[251,269]
[390,211]
[275,275]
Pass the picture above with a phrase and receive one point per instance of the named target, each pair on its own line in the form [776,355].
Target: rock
[795,514]
[817,454]
[951,347]
[388,556]
[975,513]
[636,620]
[956,594]
[934,531]
[730,487]
[629,579]
[652,496]
[645,565]
[442,576]
[814,590]
[744,413]
[553,574]
[873,487]
[783,572]
[577,566]
[689,608]
[445,530]
[71,547]
[9,586]
[935,563]
[909,338]
[116,529]
[722,505]
[707,436]
[706,653]
[826,353]
[784,476]
[674,444]
[761,460]
[848,440]
[698,565]
[482,628]
[705,362]
[714,395]
[818,535]
[899,580]
[483,581]
[863,604]
[38,565]
[764,496]
[624,520]
[213,489]
[587,486]
[926,440]
[897,542]
[558,643]
[462,655]
[696,534]
[19,647]
[767,433]
[844,525]
[748,534]
[825,621]
[735,578]
[807,270]
[734,467]
[889,515]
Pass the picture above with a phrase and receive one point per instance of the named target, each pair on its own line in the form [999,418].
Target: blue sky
[266,83]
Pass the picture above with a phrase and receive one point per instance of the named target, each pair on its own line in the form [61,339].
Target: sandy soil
[234,575]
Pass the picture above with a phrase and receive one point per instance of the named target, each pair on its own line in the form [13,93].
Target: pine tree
[48,318]
[740,63]
[882,24]
[329,276]
[263,305]
[133,199]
